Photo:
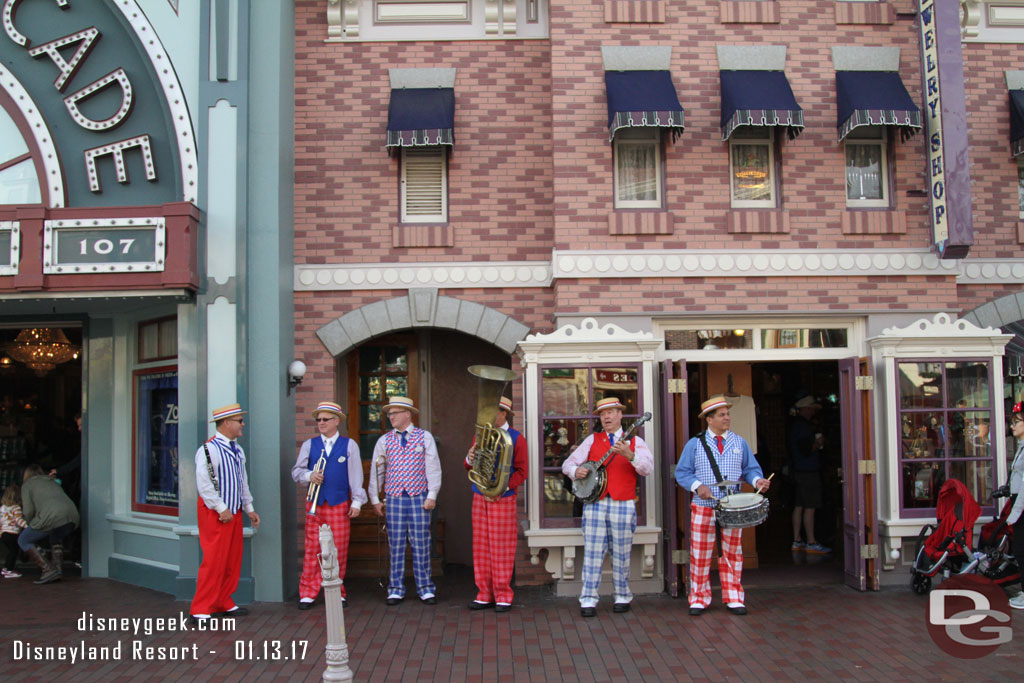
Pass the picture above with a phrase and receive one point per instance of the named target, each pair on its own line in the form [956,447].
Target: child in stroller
[947,547]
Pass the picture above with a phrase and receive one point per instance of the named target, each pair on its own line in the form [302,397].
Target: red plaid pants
[494,547]
[336,517]
[730,564]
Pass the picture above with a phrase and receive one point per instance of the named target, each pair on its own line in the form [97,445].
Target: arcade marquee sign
[99,107]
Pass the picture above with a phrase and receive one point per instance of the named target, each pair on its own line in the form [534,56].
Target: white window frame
[739,137]
[636,137]
[440,153]
[874,136]
[419,20]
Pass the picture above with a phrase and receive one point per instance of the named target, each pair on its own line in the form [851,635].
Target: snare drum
[741,510]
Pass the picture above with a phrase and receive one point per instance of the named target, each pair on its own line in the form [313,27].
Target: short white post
[337,650]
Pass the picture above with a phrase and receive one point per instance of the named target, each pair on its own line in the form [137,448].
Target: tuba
[492,446]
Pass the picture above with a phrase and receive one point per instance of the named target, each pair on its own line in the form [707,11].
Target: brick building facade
[539,251]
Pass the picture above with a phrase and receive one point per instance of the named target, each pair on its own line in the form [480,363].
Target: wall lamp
[296,371]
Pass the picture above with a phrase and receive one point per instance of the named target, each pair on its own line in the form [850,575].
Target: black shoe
[696,611]
[588,611]
[344,602]
[429,601]
[480,605]
[621,607]
[237,612]
[194,621]
[741,610]
[502,608]
[305,605]
[394,601]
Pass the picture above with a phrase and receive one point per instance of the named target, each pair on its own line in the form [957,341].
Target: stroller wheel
[921,583]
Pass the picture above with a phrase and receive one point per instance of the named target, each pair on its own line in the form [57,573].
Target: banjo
[591,487]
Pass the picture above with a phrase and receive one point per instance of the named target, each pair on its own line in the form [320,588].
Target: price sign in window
[104,246]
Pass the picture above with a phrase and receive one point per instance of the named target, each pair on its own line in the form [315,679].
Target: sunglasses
[325,419]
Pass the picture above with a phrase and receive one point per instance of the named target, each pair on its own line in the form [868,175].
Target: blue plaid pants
[406,519]
[607,525]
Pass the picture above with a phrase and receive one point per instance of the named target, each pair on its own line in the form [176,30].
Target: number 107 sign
[113,245]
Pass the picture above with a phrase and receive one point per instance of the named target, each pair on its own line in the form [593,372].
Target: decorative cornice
[465,274]
[942,325]
[664,263]
[991,271]
[749,263]
[588,332]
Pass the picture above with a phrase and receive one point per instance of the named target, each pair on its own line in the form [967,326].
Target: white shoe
[1017,602]
[11,574]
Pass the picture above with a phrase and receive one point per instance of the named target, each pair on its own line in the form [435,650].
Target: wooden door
[860,521]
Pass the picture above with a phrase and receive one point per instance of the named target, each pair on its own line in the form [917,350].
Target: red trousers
[336,517]
[222,561]
[494,547]
[702,546]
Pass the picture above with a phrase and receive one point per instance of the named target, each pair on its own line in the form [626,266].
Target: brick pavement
[794,632]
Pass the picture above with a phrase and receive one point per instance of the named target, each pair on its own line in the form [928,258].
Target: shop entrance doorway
[40,398]
[765,395]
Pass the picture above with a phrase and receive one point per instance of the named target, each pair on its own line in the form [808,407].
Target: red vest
[621,475]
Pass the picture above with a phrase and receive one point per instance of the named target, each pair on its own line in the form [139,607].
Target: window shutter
[424,185]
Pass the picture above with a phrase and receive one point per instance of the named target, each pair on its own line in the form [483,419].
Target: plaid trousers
[494,547]
[336,517]
[730,564]
[406,519]
[607,525]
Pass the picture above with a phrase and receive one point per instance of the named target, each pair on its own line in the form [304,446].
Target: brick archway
[421,308]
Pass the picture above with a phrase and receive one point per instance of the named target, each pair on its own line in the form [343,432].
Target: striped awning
[759,98]
[642,99]
[875,98]
[420,117]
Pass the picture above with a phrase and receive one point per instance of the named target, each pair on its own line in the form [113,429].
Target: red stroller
[946,546]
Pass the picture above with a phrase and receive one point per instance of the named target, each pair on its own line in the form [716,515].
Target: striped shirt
[228,460]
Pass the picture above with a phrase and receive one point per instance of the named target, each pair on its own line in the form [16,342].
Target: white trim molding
[659,263]
[463,274]
[54,181]
[9,266]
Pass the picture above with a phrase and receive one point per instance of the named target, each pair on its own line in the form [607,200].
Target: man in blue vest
[339,498]
[407,459]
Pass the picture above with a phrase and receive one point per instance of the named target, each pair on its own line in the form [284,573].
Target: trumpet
[314,489]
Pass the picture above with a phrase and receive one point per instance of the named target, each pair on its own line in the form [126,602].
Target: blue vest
[515,437]
[334,490]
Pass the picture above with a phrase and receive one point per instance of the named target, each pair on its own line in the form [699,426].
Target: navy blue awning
[418,117]
[874,98]
[642,98]
[1017,122]
[759,98]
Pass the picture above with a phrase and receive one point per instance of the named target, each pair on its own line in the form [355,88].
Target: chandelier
[42,349]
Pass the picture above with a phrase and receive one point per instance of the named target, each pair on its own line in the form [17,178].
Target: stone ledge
[634,11]
[749,12]
[640,223]
[755,221]
[864,12]
[874,222]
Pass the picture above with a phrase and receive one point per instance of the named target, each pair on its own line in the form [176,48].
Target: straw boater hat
[713,404]
[328,407]
[605,403]
[807,402]
[402,402]
[227,411]
[505,404]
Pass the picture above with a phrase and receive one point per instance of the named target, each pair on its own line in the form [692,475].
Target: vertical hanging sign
[948,170]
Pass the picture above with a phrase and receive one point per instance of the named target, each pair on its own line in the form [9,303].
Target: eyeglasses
[325,419]
[240,421]
[396,412]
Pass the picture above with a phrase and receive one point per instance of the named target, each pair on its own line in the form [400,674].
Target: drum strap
[702,437]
